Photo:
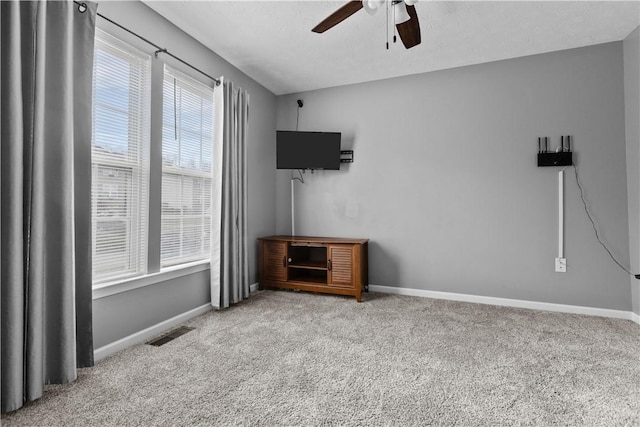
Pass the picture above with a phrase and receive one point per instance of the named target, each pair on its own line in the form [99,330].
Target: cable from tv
[593,223]
[301,179]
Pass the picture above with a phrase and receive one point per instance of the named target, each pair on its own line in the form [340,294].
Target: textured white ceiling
[272,42]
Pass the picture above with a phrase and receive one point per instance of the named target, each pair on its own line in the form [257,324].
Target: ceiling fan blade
[338,16]
[410,31]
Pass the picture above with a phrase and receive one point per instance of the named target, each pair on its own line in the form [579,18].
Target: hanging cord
[82,7]
[593,223]
[394,20]
[175,110]
[387,3]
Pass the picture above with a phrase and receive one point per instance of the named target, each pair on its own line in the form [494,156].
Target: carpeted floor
[288,358]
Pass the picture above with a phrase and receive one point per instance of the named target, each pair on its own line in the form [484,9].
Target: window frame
[155,273]
[196,88]
[138,165]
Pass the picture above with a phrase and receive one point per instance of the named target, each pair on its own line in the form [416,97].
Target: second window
[187,141]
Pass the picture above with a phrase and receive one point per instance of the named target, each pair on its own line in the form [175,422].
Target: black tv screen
[307,150]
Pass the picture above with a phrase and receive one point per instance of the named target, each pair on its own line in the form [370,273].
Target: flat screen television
[307,150]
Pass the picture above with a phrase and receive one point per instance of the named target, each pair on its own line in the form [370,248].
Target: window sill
[112,288]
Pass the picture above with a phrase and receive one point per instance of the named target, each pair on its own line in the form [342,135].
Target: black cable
[297,117]
[301,179]
[593,223]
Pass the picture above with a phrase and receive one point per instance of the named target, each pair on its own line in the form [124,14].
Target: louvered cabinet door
[275,261]
[340,265]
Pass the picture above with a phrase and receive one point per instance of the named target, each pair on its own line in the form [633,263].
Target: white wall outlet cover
[561,265]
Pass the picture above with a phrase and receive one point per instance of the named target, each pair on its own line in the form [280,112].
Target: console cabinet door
[275,261]
[340,265]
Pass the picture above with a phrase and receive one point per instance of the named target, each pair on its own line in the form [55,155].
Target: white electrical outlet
[561,265]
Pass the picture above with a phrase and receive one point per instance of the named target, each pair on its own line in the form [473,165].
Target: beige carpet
[287,358]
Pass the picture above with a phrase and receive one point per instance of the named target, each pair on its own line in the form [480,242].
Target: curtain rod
[82,7]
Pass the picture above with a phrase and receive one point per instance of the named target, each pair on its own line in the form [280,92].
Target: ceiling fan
[406,19]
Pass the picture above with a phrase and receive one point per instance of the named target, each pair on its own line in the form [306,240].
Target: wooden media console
[316,264]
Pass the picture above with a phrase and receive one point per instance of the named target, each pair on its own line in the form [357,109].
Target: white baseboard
[254,287]
[150,332]
[505,302]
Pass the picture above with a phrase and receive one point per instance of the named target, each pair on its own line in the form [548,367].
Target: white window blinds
[187,143]
[119,159]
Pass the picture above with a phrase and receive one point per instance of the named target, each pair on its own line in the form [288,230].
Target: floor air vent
[170,336]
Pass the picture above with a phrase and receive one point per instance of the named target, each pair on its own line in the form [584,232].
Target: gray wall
[445,182]
[631,47]
[120,315]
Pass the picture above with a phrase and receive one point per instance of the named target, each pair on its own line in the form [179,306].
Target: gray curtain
[230,259]
[45,174]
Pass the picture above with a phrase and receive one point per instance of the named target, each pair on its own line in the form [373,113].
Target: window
[127,213]
[187,142]
[119,160]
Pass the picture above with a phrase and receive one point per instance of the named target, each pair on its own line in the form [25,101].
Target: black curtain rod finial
[163,50]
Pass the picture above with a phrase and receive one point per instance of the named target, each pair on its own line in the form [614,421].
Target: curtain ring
[82,7]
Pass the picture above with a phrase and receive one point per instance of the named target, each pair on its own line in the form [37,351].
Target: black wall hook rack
[563,157]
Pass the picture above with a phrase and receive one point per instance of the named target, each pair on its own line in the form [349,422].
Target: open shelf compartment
[308,257]
[309,276]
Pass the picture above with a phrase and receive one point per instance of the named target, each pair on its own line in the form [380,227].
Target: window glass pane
[113,191]
[191,112]
[207,197]
[119,159]
[111,130]
[111,70]
[206,227]
[171,239]
[187,147]
[171,194]
[192,236]
[111,246]
[207,152]
[190,150]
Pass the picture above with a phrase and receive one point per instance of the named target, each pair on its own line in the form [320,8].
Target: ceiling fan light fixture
[410,2]
[400,12]
[371,6]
